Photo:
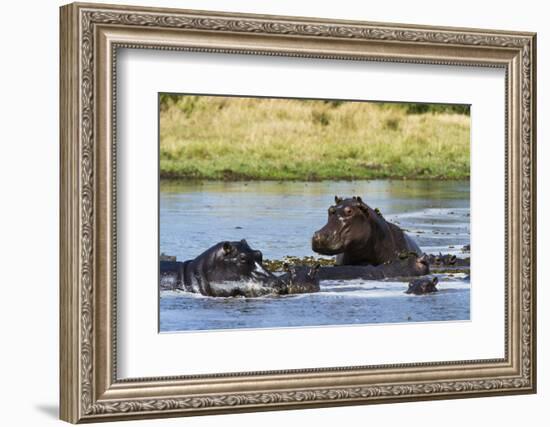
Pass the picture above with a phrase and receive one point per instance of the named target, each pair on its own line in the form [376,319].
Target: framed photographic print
[264,212]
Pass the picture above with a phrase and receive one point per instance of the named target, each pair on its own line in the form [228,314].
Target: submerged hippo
[448,260]
[301,280]
[360,235]
[230,269]
[413,265]
[425,285]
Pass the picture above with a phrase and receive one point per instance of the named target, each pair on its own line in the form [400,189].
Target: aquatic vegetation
[274,265]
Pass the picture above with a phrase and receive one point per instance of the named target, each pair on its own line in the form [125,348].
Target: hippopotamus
[448,260]
[413,265]
[360,235]
[301,280]
[425,285]
[230,269]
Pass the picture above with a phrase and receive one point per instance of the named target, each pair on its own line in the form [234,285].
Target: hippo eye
[243,258]
[331,210]
[227,248]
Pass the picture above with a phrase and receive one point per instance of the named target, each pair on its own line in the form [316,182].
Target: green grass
[203,137]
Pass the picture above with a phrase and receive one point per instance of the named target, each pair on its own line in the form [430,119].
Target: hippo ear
[227,247]
[363,208]
[314,270]
[291,271]
[244,242]
[358,198]
[403,255]
[258,256]
[338,200]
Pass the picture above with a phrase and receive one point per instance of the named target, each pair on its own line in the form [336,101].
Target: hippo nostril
[317,241]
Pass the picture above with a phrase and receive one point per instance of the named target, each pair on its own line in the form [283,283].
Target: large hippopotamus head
[233,261]
[230,269]
[348,225]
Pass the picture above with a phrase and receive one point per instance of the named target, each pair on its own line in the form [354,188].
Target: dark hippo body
[224,270]
[409,267]
[360,235]
[423,286]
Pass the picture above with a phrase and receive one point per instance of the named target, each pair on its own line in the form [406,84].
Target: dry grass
[279,139]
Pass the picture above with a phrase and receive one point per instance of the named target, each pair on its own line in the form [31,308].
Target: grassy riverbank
[277,139]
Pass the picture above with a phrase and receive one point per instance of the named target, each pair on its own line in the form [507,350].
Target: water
[279,219]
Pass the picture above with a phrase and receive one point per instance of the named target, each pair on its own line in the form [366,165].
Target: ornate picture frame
[90,37]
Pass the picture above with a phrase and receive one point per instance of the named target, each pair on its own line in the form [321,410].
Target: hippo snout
[317,238]
[325,243]
[318,242]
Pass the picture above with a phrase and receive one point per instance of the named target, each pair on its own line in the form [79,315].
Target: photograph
[262,211]
[278,212]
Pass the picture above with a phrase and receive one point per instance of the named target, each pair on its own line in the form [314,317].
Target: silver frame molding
[90,37]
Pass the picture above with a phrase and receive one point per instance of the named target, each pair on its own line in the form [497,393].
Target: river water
[279,218]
